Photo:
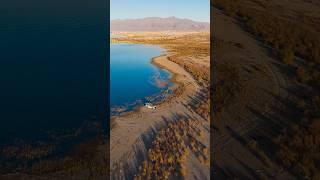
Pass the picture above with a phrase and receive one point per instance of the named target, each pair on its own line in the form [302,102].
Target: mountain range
[158,24]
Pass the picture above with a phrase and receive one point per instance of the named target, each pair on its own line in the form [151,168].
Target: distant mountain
[158,24]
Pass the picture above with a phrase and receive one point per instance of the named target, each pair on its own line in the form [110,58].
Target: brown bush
[166,158]
[287,56]
[297,148]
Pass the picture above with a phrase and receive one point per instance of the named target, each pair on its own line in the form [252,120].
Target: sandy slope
[254,109]
[133,133]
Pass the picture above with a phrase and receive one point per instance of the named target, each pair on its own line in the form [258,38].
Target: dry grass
[185,49]
[168,155]
[290,29]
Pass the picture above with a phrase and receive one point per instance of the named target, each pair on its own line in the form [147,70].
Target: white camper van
[150,106]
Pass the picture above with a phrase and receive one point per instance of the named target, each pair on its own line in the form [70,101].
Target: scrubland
[286,130]
[177,148]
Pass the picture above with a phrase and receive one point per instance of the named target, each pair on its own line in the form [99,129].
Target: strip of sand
[133,133]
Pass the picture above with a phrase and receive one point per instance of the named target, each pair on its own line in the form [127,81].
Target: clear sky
[197,10]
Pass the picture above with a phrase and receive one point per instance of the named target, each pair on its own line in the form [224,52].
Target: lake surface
[53,67]
[134,79]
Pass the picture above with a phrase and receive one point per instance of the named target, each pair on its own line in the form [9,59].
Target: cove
[134,79]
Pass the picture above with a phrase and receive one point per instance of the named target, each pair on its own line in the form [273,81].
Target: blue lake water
[134,79]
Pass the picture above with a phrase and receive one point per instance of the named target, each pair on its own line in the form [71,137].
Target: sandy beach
[133,133]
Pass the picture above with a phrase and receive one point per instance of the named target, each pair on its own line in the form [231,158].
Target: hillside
[158,24]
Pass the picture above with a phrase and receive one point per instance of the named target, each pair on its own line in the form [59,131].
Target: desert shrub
[287,56]
[199,72]
[297,148]
[302,74]
[169,152]
[254,146]
[276,31]
[227,85]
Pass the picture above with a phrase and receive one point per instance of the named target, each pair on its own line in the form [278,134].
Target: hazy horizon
[157,17]
[128,9]
[158,24]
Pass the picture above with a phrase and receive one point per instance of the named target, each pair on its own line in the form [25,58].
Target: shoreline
[176,85]
[157,61]
[133,132]
[141,115]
